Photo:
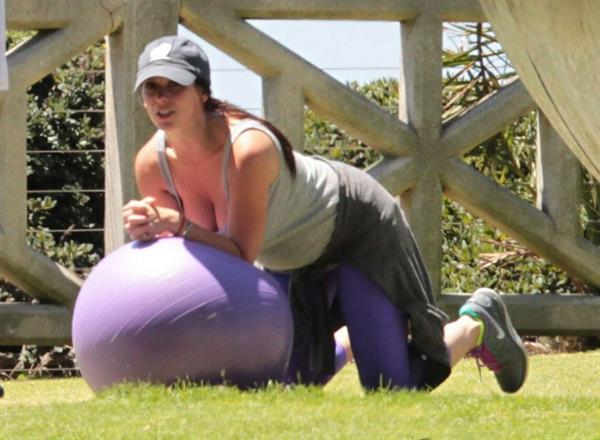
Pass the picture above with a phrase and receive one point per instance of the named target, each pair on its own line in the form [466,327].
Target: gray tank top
[301,209]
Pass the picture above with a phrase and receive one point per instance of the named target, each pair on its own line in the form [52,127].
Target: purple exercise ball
[174,310]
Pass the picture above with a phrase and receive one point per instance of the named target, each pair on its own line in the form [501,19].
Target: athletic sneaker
[501,348]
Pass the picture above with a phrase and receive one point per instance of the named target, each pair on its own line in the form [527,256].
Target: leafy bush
[65,143]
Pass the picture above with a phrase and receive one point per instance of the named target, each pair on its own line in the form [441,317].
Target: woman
[215,174]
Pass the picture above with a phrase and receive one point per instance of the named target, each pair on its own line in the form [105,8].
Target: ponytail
[216,105]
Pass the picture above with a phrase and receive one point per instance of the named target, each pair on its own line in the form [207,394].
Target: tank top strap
[236,131]
[163,165]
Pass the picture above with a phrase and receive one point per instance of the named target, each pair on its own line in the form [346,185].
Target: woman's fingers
[137,220]
[145,203]
[140,208]
[148,200]
[144,220]
[140,232]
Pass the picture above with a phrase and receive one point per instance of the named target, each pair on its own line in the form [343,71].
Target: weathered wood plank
[396,174]
[49,49]
[487,118]
[396,10]
[283,102]
[13,168]
[522,221]
[55,14]
[383,10]
[38,275]
[127,125]
[558,176]
[36,324]
[548,314]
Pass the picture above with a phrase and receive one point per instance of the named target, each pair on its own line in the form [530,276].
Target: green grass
[560,400]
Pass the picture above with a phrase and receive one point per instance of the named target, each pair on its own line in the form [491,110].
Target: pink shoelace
[484,357]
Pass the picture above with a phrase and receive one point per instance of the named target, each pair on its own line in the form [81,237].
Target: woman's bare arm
[156,213]
[253,167]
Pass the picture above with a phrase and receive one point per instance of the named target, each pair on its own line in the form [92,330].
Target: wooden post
[420,107]
[283,102]
[127,126]
[558,179]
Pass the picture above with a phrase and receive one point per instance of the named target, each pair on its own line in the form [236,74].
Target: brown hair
[216,105]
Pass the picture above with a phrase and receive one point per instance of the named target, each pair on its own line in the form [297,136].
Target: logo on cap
[161,52]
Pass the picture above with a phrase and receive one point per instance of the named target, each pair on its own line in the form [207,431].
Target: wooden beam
[388,10]
[26,15]
[284,106]
[396,174]
[380,10]
[48,50]
[543,314]
[420,94]
[127,125]
[461,10]
[35,324]
[420,107]
[558,174]
[521,220]
[38,275]
[490,116]
[13,167]
[423,207]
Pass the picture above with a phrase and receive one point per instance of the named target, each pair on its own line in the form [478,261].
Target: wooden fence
[422,155]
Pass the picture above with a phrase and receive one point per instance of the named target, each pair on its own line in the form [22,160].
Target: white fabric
[3,64]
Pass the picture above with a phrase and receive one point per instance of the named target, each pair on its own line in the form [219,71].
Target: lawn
[561,400]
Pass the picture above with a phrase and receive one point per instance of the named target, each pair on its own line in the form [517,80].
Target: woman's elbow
[245,254]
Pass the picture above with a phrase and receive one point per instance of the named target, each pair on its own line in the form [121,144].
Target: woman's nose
[162,95]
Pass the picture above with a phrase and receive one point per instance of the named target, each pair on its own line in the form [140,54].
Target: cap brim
[176,74]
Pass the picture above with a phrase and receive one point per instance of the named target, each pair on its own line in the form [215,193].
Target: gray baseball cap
[177,58]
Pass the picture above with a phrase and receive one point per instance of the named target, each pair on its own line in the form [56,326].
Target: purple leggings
[377,329]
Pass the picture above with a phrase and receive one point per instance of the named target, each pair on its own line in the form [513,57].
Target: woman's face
[168,102]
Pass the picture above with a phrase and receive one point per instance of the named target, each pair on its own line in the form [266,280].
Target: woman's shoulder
[249,137]
[254,149]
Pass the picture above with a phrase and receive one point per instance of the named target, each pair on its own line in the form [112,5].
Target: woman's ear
[202,94]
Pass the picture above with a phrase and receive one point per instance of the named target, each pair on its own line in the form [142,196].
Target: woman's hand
[144,220]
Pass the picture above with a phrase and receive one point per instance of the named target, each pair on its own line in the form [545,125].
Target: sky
[347,50]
